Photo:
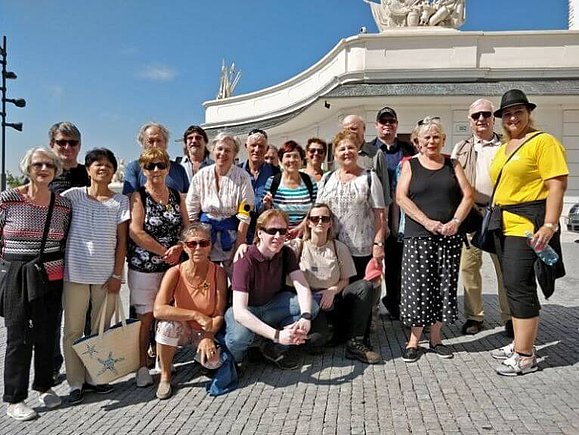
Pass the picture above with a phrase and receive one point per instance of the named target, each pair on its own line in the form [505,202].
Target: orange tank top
[202,298]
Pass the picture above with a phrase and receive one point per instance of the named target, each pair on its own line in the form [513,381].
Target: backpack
[305,178]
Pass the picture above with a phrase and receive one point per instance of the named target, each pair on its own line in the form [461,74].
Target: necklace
[198,284]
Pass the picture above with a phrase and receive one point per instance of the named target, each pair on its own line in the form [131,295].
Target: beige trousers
[470,266]
[75,303]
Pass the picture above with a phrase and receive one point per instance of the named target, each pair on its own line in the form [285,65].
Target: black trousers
[22,340]
[392,274]
[352,311]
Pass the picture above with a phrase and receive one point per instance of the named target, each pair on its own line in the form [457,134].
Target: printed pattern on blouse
[162,222]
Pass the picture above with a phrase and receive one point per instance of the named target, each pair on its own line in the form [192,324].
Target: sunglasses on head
[321,218]
[40,165]
[274,231]
[257,131]
[428,120]
[63,142]
[194,243]
[476,116]
[152,165]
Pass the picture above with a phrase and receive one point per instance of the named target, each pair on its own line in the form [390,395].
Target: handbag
[46,269]
[484,238]
[114,353]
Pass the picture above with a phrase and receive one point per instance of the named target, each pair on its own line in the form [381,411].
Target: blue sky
[109,66]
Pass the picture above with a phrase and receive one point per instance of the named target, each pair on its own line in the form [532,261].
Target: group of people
[250,259]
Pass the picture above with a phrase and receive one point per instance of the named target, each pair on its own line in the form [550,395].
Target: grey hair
[426,123]
[258,135]
[226,137]
[27,160]
[480,101]
[65,128]
[195,227]
[161,127]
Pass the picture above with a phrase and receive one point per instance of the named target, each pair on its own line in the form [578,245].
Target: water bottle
[547,254]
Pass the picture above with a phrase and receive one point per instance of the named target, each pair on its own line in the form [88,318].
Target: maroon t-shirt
[262,277]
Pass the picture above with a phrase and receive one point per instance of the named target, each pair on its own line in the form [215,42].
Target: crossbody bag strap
[47,225]
[507,161]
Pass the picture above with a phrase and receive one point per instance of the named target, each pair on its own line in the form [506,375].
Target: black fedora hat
[514,97]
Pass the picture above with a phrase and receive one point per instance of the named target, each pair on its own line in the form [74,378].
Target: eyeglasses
[274,231]
[39,165]
[319,151]
[321,218]
[194,243]
[257,131]
[152,165]
[63,142]
[428,120]
[390,121]
[476,116]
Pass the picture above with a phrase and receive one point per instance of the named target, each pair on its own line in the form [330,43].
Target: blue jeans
[281,311]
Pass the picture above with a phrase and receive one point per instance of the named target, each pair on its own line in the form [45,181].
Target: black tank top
[435,192]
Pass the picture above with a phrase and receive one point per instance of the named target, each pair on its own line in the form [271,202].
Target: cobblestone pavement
[331,394]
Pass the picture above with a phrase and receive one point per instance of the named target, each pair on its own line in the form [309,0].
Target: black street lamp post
[18,102]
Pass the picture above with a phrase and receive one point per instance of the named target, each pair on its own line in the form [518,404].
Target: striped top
[22,224]
[92,240]
[295,202]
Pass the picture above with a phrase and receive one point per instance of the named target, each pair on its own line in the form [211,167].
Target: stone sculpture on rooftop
[389,14]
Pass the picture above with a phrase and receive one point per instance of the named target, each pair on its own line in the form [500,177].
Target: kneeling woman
[190,305]
[327,265]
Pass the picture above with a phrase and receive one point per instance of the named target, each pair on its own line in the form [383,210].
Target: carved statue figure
[228,81]
[410,13]
[119,176]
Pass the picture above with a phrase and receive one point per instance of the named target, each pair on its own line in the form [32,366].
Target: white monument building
[420,65]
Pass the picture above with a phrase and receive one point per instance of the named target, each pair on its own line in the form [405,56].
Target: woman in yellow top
[530,192]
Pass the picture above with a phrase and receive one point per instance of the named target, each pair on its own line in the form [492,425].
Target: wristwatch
[552,227]
[306,316]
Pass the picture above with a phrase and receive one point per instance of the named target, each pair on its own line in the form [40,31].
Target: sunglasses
[321,218]
[152,165]
[194,243]
[274,231]
[257,131]
[390,121]
[319,151]
[64,142]
[476,116]
[428,120]
[39,165]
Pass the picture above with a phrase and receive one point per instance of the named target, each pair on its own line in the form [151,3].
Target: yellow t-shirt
[523,178]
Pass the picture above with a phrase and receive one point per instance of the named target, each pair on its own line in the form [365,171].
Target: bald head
[356,125]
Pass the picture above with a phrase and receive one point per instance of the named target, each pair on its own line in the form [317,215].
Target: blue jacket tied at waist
[221,226]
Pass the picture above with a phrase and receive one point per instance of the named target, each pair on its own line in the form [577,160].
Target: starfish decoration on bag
[109,364]
[90,351]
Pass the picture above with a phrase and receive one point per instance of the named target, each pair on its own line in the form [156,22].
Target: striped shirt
[295,202]
[92,239]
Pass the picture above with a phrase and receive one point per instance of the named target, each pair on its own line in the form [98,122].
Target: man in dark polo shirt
[261,306]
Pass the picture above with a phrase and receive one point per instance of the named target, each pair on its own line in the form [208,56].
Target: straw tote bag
[114,353]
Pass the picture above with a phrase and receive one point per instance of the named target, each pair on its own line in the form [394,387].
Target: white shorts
[143,289]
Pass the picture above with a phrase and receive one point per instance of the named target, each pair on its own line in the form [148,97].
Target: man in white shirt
[475,155]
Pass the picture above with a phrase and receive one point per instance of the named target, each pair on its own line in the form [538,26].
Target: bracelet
[552,227]
[455,219]
[118,277]
[276,336]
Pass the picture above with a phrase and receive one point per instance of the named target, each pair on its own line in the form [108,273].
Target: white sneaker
[50,399]
[518,365]
[21,411]
[143,377]
[504,352]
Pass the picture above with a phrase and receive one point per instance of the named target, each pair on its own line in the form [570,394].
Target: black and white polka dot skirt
[430,268]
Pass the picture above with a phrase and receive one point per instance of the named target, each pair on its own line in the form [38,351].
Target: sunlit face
[153,138]
[315,153]
[224,153]
[431,141]
[197,246]
[196,144]
[291,161]
[481,120]
[386,127]
[346,152]
[101,171]
[256,147]
[357,127]
[42,169]
[272,243]
[516,120]
[66,147]
[271,157]
[156,171]
[319,220]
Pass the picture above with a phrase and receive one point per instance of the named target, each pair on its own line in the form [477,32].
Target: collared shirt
[485,153]
[134,178]
[186,163]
